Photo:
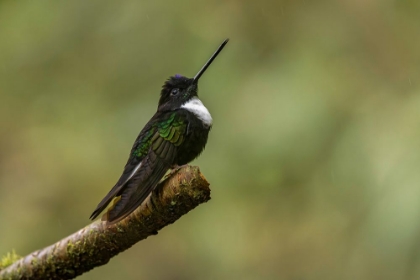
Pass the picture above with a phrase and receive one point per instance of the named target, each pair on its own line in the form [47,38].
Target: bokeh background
[313,159]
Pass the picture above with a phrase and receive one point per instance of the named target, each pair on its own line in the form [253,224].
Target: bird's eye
[174,91]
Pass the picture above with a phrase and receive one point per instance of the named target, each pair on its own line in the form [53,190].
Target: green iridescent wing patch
[172,130]
[143,147]
[169,135]
[169,132]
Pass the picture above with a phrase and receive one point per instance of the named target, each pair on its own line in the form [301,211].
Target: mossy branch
[98,242]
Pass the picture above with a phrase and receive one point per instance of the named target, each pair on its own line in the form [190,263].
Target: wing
[138,153]
[151,156]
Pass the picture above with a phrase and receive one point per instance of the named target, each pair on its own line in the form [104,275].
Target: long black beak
[204,68]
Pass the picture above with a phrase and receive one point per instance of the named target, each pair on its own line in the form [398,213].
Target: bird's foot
[174,169]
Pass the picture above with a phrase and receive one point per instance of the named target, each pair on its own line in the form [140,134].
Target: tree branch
[98,242]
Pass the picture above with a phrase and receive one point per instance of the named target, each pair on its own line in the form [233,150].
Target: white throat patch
[195,106]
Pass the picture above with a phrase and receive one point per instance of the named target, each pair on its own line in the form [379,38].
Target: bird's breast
[195,106]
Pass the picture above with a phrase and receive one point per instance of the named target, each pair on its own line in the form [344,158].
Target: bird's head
[178,89]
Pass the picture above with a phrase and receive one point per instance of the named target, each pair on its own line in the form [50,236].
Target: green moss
[9,259]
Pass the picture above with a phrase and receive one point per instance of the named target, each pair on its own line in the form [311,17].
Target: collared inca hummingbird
[174,136]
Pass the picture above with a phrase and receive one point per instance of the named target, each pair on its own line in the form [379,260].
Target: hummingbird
[175,135]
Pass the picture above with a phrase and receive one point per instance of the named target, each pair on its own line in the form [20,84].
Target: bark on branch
[97,243]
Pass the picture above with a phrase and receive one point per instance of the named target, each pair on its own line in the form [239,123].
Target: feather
[138,188]
[114,192]
[153,153]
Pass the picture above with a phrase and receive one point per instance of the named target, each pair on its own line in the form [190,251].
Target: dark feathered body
[196,139]
[174,136]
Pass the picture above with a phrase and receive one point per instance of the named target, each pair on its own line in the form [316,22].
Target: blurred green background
[313,159]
